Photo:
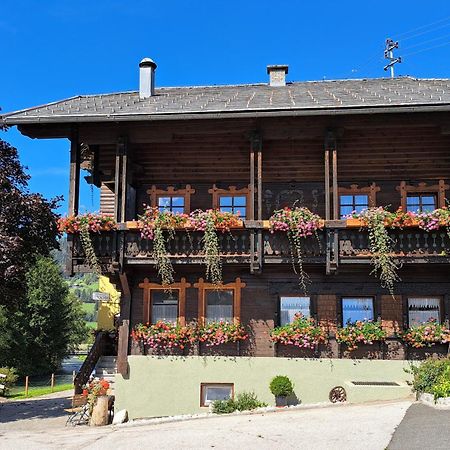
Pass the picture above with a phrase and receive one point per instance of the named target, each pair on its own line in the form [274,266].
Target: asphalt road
[422,428]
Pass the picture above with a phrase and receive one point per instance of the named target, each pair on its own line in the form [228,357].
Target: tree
[52,322]
[27,226]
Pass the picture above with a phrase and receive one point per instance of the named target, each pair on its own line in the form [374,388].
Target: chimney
[147,69]
[277,75]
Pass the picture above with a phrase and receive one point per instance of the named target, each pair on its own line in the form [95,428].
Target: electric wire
[407,48]
[402,35]
[426,49]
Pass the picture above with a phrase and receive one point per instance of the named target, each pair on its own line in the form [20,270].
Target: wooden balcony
[342,245]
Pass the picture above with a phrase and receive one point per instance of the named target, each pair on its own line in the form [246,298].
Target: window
[234,204]
[210,392]
[357,309]
[171,199]
[349,203]
[290,306]
[219,305]
[221,302]
[159,303]
[232,200]
[420,202]
[421,310]
[164,305]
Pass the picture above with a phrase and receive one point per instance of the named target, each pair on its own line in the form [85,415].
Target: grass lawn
[92,325]
[38,391]
[89,308]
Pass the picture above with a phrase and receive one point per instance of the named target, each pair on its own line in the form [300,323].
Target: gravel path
[348,427]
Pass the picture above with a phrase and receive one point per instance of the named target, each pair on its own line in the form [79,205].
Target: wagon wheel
[337,395]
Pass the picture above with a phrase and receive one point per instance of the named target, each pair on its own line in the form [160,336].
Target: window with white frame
[211,392]
[219,305]
[164,305]
[357,309]
[292,305]
[421,310]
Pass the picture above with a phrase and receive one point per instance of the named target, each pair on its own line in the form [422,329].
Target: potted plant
[281,387]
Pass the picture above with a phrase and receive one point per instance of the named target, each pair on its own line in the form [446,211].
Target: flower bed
[299,223]
[366,332]
[426,335]
[302,332]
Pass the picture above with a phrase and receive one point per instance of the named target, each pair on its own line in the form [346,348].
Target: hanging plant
[299,223]
[85,225]
[210,222]
[159,226]
[381,244]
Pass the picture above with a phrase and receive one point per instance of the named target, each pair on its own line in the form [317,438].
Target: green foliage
[281,386]
[39,391]
[245,401]
[361,332]
[430,374]
[224,406]
[442,388]
[10,380]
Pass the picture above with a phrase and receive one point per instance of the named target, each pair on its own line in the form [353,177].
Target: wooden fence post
[26,386]
[53,382]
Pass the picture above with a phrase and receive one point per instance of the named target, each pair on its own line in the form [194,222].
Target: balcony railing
[335,242]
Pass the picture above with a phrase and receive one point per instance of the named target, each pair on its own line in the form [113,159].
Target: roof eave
[11,120]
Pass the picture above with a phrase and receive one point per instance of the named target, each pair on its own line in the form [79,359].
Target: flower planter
[167,351]
[292,351]
[364,351]
[435,351]
[228,349]
[100,414]
[134,225]
[281,401]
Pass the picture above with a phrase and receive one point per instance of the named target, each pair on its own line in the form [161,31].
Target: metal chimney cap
[147,62]
[284,67]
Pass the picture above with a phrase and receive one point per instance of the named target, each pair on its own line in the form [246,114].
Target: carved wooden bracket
[438,189]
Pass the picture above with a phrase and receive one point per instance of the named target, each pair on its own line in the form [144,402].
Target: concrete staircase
[106,368]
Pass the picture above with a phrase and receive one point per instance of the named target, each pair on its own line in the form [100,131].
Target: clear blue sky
[54,49]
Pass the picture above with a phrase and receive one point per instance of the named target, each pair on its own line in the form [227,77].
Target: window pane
[177,201]
[361,200]
[164,201]
[412,200]
[421,310]
[178,210]
[354,309]
[239,200]
[226,209]
[359,208]
[412,208]
[219,305]
[428,199]
[242,212]
[164,306]
[217,392]
[346,210]
[346,199]
[225,201]
[428,208]
[290,306]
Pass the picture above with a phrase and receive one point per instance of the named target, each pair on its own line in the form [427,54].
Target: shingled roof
[300,98]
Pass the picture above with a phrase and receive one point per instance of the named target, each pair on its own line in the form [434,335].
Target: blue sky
[56,49]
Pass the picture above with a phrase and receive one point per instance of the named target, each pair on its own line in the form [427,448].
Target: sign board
[100,296]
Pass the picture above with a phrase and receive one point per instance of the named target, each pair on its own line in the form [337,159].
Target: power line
[425,32]
[400,36]
[427,42]
[429,48]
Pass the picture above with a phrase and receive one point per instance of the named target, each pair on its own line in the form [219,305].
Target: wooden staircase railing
[96,351]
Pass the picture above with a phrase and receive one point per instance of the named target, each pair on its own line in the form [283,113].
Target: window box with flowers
[85,225]
[299,223]
[302,337]
[221,338]
[426,339]
[164,338]
[361,339]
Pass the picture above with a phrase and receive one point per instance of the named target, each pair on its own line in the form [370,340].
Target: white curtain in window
[354,309]
[290,306]
[421,310]
[166,313]
[217,313]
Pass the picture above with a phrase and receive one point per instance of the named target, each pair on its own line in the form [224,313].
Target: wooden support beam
[335,187]
[74,182]
[327,185]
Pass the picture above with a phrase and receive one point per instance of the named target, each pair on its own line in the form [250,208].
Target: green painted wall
[162,386]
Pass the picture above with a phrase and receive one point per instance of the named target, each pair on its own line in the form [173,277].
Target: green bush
[246,401]
[224,406]
[281,386]
[442,389]
[10,380]
[429,374]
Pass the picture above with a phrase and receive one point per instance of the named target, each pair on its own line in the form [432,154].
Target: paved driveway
[348,427]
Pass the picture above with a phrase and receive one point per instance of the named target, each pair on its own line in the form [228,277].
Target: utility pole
[389,54]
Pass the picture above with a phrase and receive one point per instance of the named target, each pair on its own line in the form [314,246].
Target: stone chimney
[277,75]
[147,69]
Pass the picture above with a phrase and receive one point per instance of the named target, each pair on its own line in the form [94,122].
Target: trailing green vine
[384,263]
[88,248]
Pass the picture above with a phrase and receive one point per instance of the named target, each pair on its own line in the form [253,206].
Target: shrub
[246,401]
[442,389]
[224,406]
[10,380]
[431,373]
[281,386]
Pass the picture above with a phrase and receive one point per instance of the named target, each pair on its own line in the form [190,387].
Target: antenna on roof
[389,54]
